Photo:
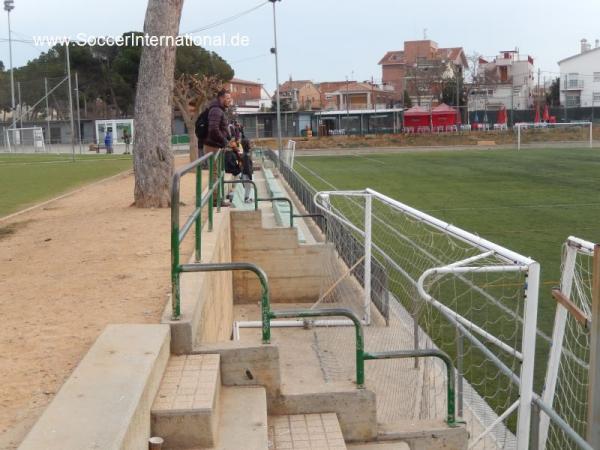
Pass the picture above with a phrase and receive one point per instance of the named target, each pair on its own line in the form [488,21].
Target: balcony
[572,84]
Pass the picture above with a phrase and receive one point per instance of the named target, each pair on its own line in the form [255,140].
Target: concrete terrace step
[238,199]
[281,210]
[243,419]
[185,411]
[305,431]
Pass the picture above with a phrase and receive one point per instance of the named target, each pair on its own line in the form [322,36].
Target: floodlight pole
[274,50]
[70,102]
[78,112]
[20,104]
[47,110]
[8,7]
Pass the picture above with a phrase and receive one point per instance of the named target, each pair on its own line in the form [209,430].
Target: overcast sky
[329,39]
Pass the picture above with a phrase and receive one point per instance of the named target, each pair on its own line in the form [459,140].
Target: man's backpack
[202,125]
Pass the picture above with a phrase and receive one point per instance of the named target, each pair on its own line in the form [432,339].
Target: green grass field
[527,201]
[29,179]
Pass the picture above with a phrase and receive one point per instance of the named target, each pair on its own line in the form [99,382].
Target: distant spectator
[247,168]
[108,141]
[232,165]
[126,140]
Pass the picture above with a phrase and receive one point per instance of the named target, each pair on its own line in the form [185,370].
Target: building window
[573,101]
[596,98]
[596,77]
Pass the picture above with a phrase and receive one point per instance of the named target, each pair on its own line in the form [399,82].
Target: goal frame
[574,247]
[34,129]
[526,125]
[514,262]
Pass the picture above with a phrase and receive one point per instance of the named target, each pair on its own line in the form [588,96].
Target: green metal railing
[267,315]
[424,353]
[223,267]
[177,234]
[361,355]
[281,199]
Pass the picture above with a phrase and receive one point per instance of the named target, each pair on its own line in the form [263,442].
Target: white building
[506,81]
[580,77]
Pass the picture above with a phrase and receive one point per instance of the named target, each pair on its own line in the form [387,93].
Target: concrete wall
[295,271]
[206,298]
[105,403]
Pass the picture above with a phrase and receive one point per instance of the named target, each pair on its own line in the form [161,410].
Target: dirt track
[67,270]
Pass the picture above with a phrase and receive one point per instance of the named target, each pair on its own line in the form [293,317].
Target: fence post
[535,427]
[593,425]
[528,350]
[367,305]
[459,371]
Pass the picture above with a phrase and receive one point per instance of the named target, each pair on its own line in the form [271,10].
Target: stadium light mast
[9,5]
[277,97]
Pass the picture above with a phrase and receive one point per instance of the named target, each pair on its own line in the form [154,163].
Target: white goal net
[427,284]
[566,385]
[25,140]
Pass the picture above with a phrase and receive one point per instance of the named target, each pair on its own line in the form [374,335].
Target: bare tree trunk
[191,126]
[152,156]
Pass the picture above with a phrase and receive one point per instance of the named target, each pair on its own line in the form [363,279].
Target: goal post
[447,289]
[25,140]
[568,132]
[567,386]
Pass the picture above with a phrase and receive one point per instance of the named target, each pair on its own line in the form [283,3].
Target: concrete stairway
[193,410]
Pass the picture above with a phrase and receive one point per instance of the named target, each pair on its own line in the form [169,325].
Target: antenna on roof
[425,33]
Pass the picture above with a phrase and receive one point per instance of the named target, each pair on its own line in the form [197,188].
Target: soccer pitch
[29,179]
[528,201]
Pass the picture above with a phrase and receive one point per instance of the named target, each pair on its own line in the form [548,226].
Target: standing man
[217,136]
[126,140]
[108,141]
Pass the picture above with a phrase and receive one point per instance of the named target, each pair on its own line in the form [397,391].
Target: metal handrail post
[451,416]
[281,199]
[262,277]
[211,166]
[218,182]
[329,312]
[222,174]
[198,230]
[175,291]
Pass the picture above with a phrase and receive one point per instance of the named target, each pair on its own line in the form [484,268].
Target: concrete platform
[185,411]
[305,431]
[380,446]
[243,419]
[105,403]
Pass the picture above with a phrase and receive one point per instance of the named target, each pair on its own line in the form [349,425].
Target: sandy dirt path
[67,269]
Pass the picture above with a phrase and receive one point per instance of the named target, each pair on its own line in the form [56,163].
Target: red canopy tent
[417,117]
[440,116]
[445,115]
